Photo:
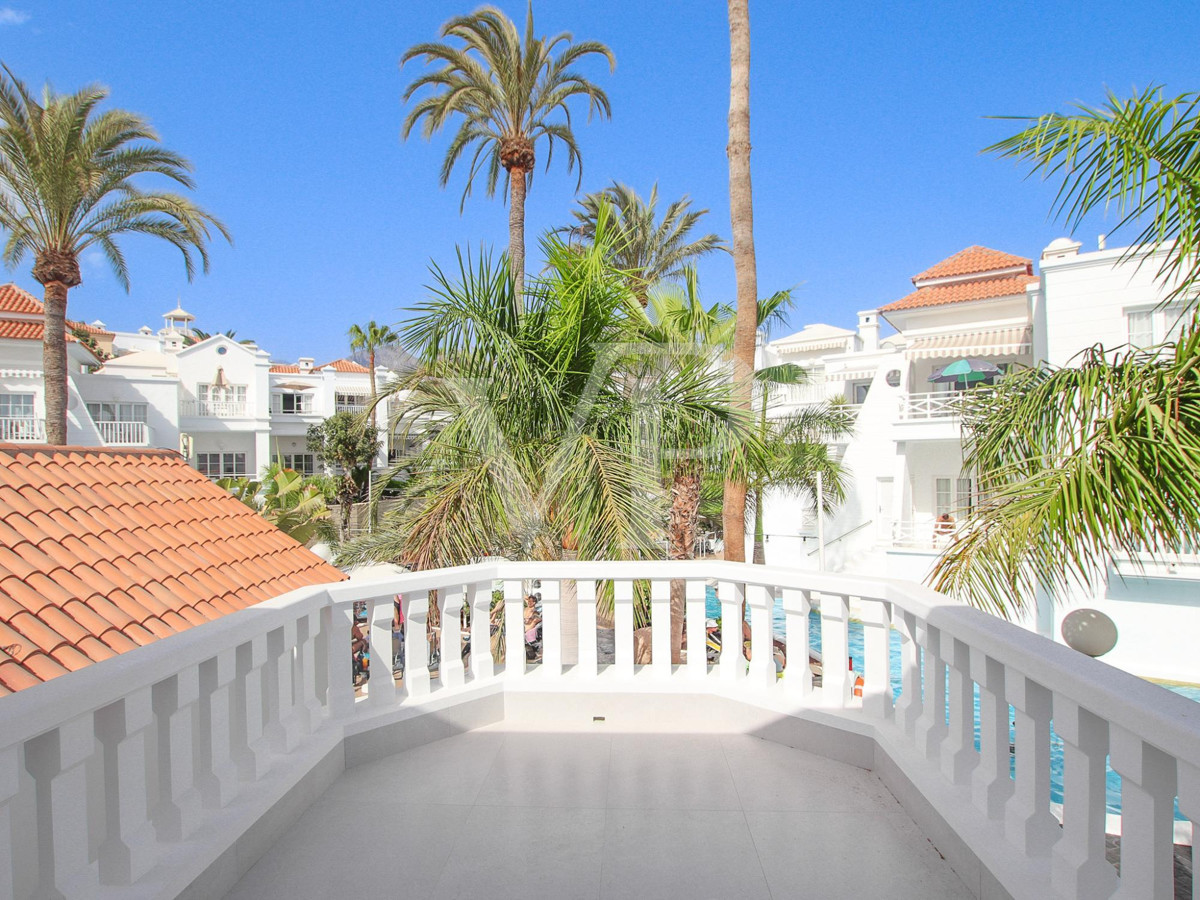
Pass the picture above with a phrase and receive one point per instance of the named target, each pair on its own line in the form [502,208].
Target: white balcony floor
[503,814]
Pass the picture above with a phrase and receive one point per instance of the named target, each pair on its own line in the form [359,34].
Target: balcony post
[623,628]
[958,750]
[216,773]
[1079,868]
[835,650]
[1147,816]
[483,667]
[991,782]
[278,725]
[588,657]
[660,628]
[128,851]
[179,805]
[10,788]
[450,669]
[909,706]
[416,643]
[697,639]
[249,750]
[877,679]
[762,648]
[797,676]
[1028,823]
[337,624]
[514,629]
[308,706]
[1189,805]
[551,627]
[733,662]
[931,727]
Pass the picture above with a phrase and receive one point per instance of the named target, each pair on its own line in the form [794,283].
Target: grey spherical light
[1089,631]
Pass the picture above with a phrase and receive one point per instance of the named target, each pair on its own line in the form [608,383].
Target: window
[304,463]
[953,496]
[213,393]
[859,390]
[117,412]
[1141,328]
[292,404]
[1153,326]
[221,465]
[16,406]
[351,402]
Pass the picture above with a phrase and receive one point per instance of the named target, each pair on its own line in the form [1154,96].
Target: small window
[221,465]
[304,463]
[16,406]
[953,496]
[1141,327]
[117,412]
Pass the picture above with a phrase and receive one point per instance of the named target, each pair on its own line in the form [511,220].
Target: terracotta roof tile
[104,550]
[24,330]
[973,260]
[961,292]
[16,300]
[347,366]
[284,369]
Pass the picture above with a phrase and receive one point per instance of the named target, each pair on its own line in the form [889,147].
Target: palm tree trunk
[760,550]
[54,362]
[685,501]
[516,231]
[741,210]
[374,411]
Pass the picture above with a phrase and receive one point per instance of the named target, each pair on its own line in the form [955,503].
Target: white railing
[22,429]
[220,409]
[918,536]
[936,405]
[124,434]
[355,408]
[137,770]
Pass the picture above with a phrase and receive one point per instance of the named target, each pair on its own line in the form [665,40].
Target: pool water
[855,641]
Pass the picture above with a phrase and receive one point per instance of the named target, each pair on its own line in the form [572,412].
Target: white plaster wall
[160,394]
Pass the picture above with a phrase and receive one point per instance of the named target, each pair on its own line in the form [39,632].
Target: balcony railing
[936,405]
[22,429]
[218,409]
[147,770]
[124,434]
[355,408]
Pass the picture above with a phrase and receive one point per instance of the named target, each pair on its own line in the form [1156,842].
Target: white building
[905,456]
[220,402]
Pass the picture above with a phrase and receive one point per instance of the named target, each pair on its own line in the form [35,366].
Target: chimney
[868,329]
[1061,248]
[1102,242]
[306,363]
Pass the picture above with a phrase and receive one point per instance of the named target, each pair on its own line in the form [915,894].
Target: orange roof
[15,300]
[974,259]
[962,291]
[103,550]
[282,369]
[344,365]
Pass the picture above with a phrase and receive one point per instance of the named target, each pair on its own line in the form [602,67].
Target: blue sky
[867,122]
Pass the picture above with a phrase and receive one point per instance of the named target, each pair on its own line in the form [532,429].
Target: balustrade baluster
[660,628]
[623,628]
[1028,823]
[514,629]
[762,650]
[216,773]
[551,627]
[797,676]
[587,628]
[931,727]
[482,665]
[178,811]
[57,760]
[695,597]
[1189,805]
[1147,816]
[337,624]
[10,787]
[877,679]
[909,706]
[958,750]
[128,850]
[381,688]
[293,717]
[732,663]
[416,643]
[308,706]
[836,688]
[1079,868]
[249,748]
[991,782]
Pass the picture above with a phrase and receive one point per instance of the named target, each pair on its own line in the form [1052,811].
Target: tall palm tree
[69,182]
[371,337]
[650,249]
[507,92]
[741,211]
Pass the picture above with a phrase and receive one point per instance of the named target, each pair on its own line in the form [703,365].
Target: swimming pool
[1113,801]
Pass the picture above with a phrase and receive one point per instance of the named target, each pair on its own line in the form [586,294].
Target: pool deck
[497,813]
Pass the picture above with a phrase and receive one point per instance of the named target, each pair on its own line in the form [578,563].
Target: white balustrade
[22,429]
[117,764]
[216,409]
[933,405]
[124,434]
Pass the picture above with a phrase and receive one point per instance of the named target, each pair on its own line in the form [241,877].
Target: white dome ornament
[1089,631]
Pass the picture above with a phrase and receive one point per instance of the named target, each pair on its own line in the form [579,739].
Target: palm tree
[741,210]
[371,337]
[68,182]
[507,92]
[650,249]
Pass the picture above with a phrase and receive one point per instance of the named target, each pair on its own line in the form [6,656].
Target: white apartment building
[221,403]
[905,456]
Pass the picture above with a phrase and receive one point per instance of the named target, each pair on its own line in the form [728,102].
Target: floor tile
[548,770]
[446,771]
[676,771]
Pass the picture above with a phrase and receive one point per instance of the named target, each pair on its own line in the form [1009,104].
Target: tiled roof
[103,550]
[962,291]
[281,369]
[972,260]
[15,300]
[344,365]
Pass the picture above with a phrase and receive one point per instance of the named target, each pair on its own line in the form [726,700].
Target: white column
[10,786]
[931,726]
[991,782]
[1028,823]
[836,687]
[128,850]
[732,663]
[381,688]
[623,628]
[1147,816]
[697,637]
[450,671]
[908,707]
[416,643]
[551,628]
[178,811]
[1079,868]
[337,623]
[958,750]
[797,676]
[482,665]
[514,630]
[762,655]
[57,761]
[587,628]
[293,716]
[660,628]
[249,748]
[877,679]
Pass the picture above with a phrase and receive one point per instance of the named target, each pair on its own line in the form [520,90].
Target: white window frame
[117,411]
[307,462]
[229,463]
[958,505]
[1150,326]
[18,405]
